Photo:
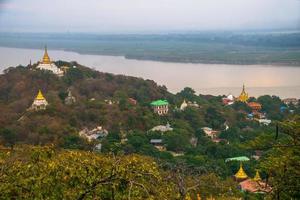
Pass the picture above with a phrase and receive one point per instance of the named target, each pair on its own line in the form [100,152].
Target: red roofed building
[253,186]
[254,106]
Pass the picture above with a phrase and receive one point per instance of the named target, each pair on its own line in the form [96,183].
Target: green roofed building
[161,107]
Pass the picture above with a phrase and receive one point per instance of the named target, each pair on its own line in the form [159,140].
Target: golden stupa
[241,174]
[257,176]
[46,58]
[40,96]
[243,96]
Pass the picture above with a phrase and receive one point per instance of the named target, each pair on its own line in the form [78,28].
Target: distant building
[46,64]
[184,105]
[70,99]
[162,128]
[255,106]
[289,101]
[210,132]
[255,185]
[266,122]
[244,97]
[161,107]
[218,140]
[158,143]
[229,100]
[39,103]
[93,134]
[132,101]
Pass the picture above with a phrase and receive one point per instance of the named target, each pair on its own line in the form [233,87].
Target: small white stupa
[70,99]
[183,105]
[46,64]
[39,103]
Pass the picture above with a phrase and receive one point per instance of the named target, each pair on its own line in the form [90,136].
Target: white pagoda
[46,64]
[39,103]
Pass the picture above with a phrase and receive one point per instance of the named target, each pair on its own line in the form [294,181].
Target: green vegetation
[204,47]
[43,156]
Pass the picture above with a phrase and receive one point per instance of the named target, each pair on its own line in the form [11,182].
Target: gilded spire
[257,176]
[40,96]
[46,58]
[243,96]
[241,174]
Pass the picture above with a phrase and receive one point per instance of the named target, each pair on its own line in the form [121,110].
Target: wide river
[215,79]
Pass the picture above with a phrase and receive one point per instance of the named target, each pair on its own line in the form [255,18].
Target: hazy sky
[114,16]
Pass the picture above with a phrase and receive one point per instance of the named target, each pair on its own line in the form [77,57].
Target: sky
[134,16]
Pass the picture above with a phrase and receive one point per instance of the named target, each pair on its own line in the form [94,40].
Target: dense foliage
[192,162]
[45,173]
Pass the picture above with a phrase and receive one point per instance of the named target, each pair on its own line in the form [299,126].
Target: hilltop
[195,135]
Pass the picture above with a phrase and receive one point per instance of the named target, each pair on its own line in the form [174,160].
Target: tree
[47,173]
[282,162]
[8,137]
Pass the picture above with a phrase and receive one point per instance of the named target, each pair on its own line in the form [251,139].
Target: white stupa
[46,64]
[183,105]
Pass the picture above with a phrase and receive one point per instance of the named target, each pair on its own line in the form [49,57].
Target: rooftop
[159,103]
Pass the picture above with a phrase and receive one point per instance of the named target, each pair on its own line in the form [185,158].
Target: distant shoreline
[160,60]
[202,48]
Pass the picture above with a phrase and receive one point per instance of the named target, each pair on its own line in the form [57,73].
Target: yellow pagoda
[241,174]
[47,65]
[46,58]
[39,103]
[257,176]
[243,96]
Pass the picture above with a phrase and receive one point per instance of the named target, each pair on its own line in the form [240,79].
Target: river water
[215,79]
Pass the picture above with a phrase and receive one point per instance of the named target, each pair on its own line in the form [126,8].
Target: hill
[194,139]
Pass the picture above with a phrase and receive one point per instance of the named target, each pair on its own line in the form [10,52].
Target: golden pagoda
[46,58]
[243,96]
[40,96]
[47,65]
[257,176]
[241,174]
[39,103]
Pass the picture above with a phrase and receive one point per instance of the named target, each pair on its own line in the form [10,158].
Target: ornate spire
[40,96]
[257,176]
[243,96]
[241,174]
[46,58]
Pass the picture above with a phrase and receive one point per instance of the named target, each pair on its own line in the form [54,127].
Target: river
[215,79]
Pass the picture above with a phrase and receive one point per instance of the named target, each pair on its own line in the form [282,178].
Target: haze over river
[215,79]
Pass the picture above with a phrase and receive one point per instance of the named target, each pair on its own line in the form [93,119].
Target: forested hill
[19,87]
[187,158]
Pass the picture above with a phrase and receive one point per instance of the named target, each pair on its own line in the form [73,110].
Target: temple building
[161,107]
[47,64]
[256,107]
[186,104]
[243,96]
[70,99]
[39,103]
[255,185]
[229,100]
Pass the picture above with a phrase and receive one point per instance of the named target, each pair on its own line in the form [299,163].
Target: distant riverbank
[206,48]
[203,78]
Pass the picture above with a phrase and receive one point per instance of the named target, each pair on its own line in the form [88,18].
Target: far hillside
[278,48]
